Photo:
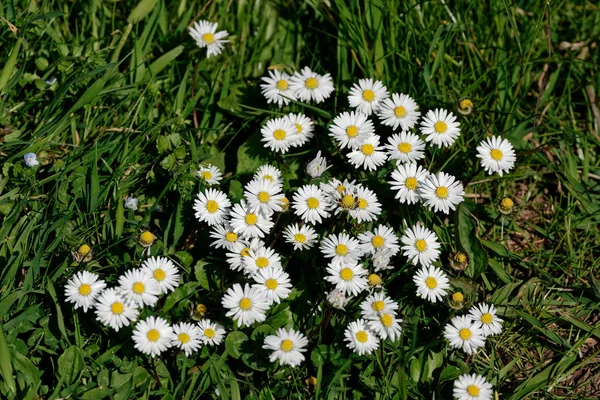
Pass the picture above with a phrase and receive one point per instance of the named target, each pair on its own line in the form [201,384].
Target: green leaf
[141,10]
[201,275]
[70,365]
[10,64]
[163,61]
[251,155]
[5,364]
[234,343]
[467,234]
[184,258]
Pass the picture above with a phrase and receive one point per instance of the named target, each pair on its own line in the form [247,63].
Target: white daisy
[287,346]
[441,127]
[369,155]
[367,95]
[114,310]
[205,34]
[248,223]
[241,250]
[263,195]
[310,204]
[382,238]
[378,304]
[269,173]
[351,129]
[386,326]
[407,179]
[276,88]
[497,155]
[224,235]
[211,206]
[335,189]
[163,271]
[381,260]
[421,245]
[368,208]
[211,333]
[246,305]
[442,192]
[360,338]
[209,174]
[302,237]
[472,387]
[432,283]
[277,134]
[405,147]
[308,85]
[304,129]
[351,278]
[400,110]
[341,248]
[263,257]
[83,288]
[486,314]
[186,337]
[153,335]
[338,299]
[140,287]
[316,167]
[274,283]
[463,332]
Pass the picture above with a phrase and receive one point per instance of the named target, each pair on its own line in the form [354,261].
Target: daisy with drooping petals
[114,310]
[382,238]
[497,155]
[153,335]
[302,237]
[350,278]
[399,110]
[224,235]
[316,167]
[367,95]
[441,127]
[381,260]
[248,223]
[464,333]
[472,387]
[341,248]
[432,283]
[140,287]
[407,179]
[211,333]
[274,283]
[338,299]
[83,288]
[369,155]
[486,315]
[209,174]
[246,305]
[368,207]
[287,346]
[304,129]
[360,338]
[263,195]
[405,147]
[186,336]
[263,257]
[350,130]
[442,192]
[310,204]
[386,326]
[269,173]
[276,88]
[308,85]
[211,206]
[163,271]
[205,34]
[421,245]
[277,134]
[378,304]
[241,250]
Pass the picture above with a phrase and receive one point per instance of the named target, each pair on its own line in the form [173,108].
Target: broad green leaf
[141,10]
[467,234]
[10,64]
[70,365]
[234,342]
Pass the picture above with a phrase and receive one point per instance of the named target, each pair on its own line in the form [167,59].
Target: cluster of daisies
[120,306]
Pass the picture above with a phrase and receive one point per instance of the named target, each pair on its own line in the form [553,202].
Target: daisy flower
[287,347]
[442,192]
[211,333]
[209,174]
[269,173]
[338,299]
[376,305]
[276,88]
[316,167]
[273,283]
[369,155]
[421,245]
[310,204]
[407,179]
[382,238]
[386,326]
[277,134]
[432,283]
[164,273]
[211,206]
[304,129]
[350,130]
[497,155]
[405,147]
[225,236]
[440,127]
[248,223]
[114,310]
[463,332]
[205,34]
[263,257]
[246,305]
[341,248]
[368,207]
[302,237]
[400,110]
[367,95]
[381,260]
[263,195]
[486,315]
[360,338]
[241,250]
[307,85]
[334,188]
[350,278]
[152,336]
[186,337]
[472,387]
[83,288]
[140,287]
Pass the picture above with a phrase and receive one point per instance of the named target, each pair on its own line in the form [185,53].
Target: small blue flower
[131,203]
[31,160]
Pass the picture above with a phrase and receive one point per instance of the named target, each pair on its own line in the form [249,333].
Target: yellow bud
[84,250]
[375,280]
[506,205]
[147,238]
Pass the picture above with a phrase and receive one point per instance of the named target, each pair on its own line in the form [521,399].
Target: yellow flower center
[117,308]
[85,289]
[362,336]
[362,203]
[507,203]
[139,288]
[386,320]
[268,177]
[405,147]
[298,128]
[84,250]
[147,237]
[400,112]
[279,134]
[473,390]
[440,127]
[341,249]
[378,305]
[377,241]
[251,219]
[285,203]
[311,83]
[183,337]
[348,201]
[441,192]
[208,38]
[487,318]
[465,103]
[367,149]
[411,183]
[460,257]
[159,274]
[212,206]
[153,335]
[231,237]
[271,284]
[312,202]
[368,95]
[421,245]
[431,282]
[375,280]
[496,154]
[458,297]
[300,238]
[352,131]
[341,188]
[263,197]
[206,175]
[282,84]
[262,262]
[209,333]
[287,345]
[465,334]
[245,252]
[346,274]
[245,303]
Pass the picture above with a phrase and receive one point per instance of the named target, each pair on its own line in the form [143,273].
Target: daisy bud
[285,204]
[465,106]
[459,261]
[506,206]
[84,249]
[147,238]
[84,253]
[457,300]
[316,167]
[337,299]
[198,312]
[375,280]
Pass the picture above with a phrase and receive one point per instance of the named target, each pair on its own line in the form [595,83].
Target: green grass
[136,107]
